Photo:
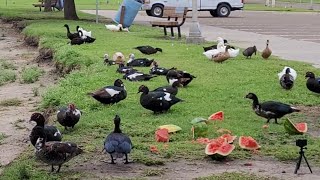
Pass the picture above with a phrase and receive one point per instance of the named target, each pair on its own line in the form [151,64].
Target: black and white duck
[148,49]
[157,101]
[137,76]
[56,153]
[141,62]
[77,40]
[68,116]
[159,70]
[117,144]
[107,61]
[71,35]
[183,77]
[110,94]
[270,109]
[51,132]
[125,69]
[313,83]
[287,79]
[172,89]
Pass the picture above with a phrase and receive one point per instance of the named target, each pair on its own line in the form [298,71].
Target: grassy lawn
[262,7]
[218,87]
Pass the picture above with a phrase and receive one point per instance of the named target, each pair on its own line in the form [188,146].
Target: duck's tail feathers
[294,109]
[90,94]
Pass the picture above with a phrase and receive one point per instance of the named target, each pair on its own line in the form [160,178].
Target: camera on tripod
[301,143]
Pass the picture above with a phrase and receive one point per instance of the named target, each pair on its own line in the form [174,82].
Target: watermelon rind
[171,128]
[290,127]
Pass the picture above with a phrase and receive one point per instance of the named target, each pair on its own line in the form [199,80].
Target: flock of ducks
[47,139]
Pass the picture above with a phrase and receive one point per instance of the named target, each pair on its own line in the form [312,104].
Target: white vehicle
[217,8]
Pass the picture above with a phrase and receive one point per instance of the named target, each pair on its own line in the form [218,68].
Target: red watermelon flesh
[247,142]
[229,138]
[225,149]
[217,116]
[301,127]
[216,147]
[162,135]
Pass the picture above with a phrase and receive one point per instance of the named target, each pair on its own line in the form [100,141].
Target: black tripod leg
[307,162]
[298,164]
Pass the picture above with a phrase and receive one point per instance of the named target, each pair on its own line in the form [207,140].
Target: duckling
[313,84]
[117,144]
[56,153]
[222,56]
[137,76]
[71,35]
[159,70]
[173,89]
[114,28]
[266,53]
[287,80]
[249,51]
[270,109]
[110,94]
[51,132]
[107,61]
[118,57]
[148,49]
[68,116]
[77,40]
[141,62]
[157,101]
[124,69]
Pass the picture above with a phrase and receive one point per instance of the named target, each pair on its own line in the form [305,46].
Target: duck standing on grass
[117,144]
[56,153]
[266,53]
[270,109]
[51,133]
[287,77]
[249,51]
[68,116]
[313,83]
[172,89]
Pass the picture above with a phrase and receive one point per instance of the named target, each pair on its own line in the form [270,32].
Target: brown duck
[222,56]
[266,53]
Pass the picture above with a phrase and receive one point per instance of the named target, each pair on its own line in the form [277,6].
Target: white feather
[213,52]
[112,92]
[171,81]
[233,52]
[57,133]
[134,75]
[76,112]
[167,97]
[85,33]
[112,27]
[293,72]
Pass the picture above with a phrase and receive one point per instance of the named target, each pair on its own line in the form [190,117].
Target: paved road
[293,36]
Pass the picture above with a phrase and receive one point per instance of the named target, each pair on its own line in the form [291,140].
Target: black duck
[107,61]
[110,94]
[249,51]
[137,76]
[117,144]
[183,77]
[125,69]
[287,80]
[173,89]
[141,62]
[313,84]
[270,109]
[68,116]
[159,70]
[51,133]
[71,35]
[148,49]
[156,101]
[77,40]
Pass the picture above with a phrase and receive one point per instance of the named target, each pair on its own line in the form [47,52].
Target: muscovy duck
[107,61]
[313,83]
[71,35]
[125,69]
[183,77]
[270,109]
[117,144]
[68,116]
[173,89]
[137,76]
[148,49]
[159,70]
[141,62]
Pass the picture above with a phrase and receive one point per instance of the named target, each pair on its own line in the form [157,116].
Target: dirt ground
[14,123]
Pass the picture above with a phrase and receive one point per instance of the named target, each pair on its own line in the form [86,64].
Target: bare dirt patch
[311,117]
[14,118]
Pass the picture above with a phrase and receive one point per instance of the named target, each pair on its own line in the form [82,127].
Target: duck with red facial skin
[68,116]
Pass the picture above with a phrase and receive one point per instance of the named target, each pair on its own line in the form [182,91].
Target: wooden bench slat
[168,23]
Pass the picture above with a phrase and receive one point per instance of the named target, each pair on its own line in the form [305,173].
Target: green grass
[217,87]
[262,7]
[30,74]
[301,1]
[235,176]
[11,102]
[7,75]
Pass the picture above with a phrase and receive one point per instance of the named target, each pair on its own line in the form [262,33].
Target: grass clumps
[11,102]
[31,74]
[235,176]
[7,73]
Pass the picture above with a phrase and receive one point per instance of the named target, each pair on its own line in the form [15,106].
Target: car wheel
[213,13]
[148,12]
[223,10]
[157,10]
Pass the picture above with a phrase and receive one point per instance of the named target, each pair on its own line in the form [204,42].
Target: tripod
[300,158]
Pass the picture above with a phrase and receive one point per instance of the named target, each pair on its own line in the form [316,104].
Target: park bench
[176,17]
[41,4]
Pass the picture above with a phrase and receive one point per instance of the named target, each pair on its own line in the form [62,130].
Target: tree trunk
[47,6]
[70,12]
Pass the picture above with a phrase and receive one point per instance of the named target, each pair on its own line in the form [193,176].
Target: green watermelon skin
[291,128]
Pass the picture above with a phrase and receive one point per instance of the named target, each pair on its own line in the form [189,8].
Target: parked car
[217,8]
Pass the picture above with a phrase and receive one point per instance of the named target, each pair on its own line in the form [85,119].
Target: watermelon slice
[218,150]
[294,129]
[162,135]
[171,128]
[247,142]
[217,116]
[229,138]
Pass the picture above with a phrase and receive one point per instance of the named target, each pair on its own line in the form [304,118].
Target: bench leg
[172,32]
[165,31]
[179,32]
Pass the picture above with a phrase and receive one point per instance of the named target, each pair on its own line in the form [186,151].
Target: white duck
[233,52]
[113,28]
[293,73]
[85,33]
[118,57]
[213,52]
